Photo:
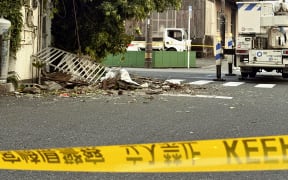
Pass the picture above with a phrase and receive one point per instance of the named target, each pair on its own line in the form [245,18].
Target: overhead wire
[76,27]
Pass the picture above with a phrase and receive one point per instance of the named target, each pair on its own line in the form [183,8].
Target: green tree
[100,26]
[11,11]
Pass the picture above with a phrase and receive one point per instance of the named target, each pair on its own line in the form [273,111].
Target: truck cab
[173,39]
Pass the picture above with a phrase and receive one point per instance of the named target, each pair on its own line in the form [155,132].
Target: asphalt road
[31,123]
[204,70]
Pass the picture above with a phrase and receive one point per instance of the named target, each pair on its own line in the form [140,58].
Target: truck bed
[139,44]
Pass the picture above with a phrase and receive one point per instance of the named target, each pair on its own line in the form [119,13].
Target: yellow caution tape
[241,154]
[202,45]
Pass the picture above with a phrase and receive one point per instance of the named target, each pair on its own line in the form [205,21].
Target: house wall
[21,63]
[33,39]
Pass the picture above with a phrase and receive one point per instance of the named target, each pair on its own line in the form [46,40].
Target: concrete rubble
[116,81]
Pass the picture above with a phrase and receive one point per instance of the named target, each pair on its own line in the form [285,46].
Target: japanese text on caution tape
[241,154]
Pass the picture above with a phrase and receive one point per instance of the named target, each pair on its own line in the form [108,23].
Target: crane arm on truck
[261,42]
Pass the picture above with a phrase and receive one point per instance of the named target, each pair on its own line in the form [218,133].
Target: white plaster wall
[21,63]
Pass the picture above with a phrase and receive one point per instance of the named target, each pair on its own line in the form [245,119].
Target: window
[175,34]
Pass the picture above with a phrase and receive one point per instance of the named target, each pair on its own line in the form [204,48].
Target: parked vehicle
[174,39]
[261,43]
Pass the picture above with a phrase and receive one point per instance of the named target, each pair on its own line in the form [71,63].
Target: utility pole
[189,39]
[148,49]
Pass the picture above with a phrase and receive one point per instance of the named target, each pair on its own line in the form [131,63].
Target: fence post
[230,57]
[218,61]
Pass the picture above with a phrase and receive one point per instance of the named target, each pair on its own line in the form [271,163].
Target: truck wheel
[285,75]
[252,74]
[244,75]
[171,49]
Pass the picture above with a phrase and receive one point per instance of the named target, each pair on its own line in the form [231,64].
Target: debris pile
[119,79]
[79,75]
[64,79]
[116,81]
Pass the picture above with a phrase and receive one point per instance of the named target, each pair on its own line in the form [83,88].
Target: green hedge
[161,59]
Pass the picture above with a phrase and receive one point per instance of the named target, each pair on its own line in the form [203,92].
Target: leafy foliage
[101,23]
[11,10]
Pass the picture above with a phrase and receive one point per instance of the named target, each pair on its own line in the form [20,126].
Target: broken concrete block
[53,86]
[31,90]
[111,74]
[6,87]
[153,91]
[145,85]
[124,76]
[166,87]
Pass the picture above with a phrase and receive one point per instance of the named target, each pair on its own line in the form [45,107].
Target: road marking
[265,85]
[208,66]
[216,155]
[200,82]
[233,83]
[228,84]
[175,81]
[215,97]
[198,96]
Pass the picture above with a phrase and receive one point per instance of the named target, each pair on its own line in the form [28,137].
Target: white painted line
[215,97]
[175,81]
[178,95]
[236,68]
[265,85]
[198,96]
[233,83]
[209,66]
[200,82]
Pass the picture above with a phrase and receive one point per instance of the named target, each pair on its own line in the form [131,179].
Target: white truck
[173,39]
[261,43]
